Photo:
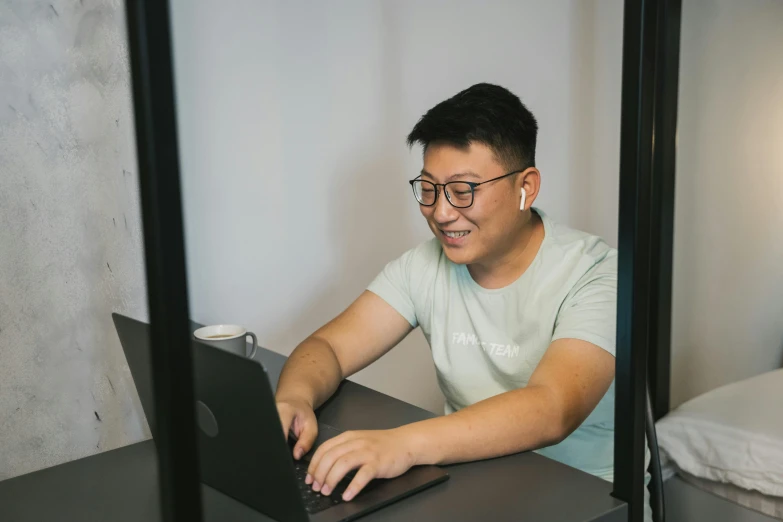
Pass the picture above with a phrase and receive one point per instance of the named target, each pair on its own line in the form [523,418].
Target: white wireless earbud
[522,203]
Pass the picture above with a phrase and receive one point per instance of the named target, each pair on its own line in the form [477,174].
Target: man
[519,312]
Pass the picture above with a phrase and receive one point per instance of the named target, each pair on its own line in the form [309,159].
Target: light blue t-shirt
[487,342]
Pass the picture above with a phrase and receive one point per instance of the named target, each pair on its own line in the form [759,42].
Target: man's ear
[530,182]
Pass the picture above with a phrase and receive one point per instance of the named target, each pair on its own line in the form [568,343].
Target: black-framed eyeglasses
[458,193]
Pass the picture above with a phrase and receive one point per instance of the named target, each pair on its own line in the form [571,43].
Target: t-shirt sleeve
[393,285]
[589,311]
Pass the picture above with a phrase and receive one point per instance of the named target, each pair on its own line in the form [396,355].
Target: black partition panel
[667,74]
[164,251]
[646,218]
[636,128]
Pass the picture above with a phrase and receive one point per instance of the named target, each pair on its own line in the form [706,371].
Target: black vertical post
[633,303]
[156,145]
[663,181]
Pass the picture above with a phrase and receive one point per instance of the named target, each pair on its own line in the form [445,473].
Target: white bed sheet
[731,435]
[766,504]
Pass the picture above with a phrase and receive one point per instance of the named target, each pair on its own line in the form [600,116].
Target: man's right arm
[360,335]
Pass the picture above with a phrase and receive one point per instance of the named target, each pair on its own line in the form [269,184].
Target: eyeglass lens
[459,194]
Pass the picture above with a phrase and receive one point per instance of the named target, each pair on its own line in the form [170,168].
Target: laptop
[243,452]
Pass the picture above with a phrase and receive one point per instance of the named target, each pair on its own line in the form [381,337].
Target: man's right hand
[298,418]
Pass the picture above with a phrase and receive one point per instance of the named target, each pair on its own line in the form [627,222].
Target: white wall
[293,117]
[70,238]
[728,256]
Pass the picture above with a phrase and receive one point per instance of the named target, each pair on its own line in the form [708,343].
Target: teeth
[455,234]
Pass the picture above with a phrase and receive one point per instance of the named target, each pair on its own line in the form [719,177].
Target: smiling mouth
[455,235]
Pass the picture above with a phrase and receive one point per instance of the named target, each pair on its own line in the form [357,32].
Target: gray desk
[121,485]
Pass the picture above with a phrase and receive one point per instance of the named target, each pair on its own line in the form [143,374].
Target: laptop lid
[242,450]
[135,340]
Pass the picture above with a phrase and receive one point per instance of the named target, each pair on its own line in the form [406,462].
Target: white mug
[229,337]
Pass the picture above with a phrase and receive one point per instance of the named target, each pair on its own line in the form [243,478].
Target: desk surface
[121,485]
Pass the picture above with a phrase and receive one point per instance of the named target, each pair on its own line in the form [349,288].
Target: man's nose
[444,211]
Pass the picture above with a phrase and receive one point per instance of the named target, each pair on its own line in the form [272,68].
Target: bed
[728,443]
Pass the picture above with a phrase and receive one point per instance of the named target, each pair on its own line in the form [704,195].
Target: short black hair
[484,113]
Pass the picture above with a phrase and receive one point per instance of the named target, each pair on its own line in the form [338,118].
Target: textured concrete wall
[70,233]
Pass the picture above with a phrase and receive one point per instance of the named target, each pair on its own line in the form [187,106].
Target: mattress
[766,504]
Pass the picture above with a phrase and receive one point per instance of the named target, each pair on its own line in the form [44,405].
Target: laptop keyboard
[313,501]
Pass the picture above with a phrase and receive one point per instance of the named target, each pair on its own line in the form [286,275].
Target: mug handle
[255,345]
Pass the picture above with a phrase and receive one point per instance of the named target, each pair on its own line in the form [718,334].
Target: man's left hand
[375,454]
